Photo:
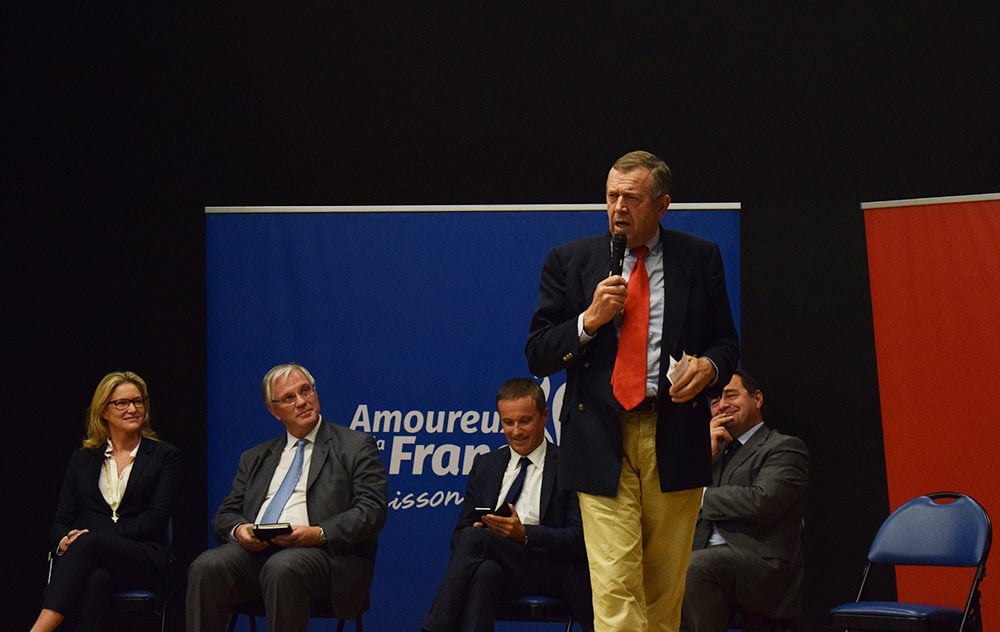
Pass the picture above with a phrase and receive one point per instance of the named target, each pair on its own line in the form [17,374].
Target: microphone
[617,253]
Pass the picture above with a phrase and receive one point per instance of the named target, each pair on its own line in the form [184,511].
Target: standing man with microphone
[641,349]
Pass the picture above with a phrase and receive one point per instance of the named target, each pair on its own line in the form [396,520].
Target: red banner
[934,267]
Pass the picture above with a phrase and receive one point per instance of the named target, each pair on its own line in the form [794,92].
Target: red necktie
[628,380]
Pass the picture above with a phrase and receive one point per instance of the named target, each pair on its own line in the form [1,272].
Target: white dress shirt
[113,483]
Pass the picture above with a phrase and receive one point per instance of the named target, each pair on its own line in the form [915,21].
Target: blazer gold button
[579,407]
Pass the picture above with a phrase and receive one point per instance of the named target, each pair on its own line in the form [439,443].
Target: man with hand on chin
[532,544]
[328,483]
[748,540]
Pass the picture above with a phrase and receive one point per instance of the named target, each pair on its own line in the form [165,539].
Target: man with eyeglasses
[323,480]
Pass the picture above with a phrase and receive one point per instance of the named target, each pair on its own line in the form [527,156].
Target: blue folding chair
[320,610]
[536,608]
[924,532]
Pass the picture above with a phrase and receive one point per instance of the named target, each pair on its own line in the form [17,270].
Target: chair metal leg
[357,624]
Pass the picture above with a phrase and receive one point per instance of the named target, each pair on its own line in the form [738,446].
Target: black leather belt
[647,405]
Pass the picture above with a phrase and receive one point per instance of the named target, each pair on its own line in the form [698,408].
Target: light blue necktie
[287,485]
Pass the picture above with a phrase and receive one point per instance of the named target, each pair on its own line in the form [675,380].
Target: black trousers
[91,569]
[485,568]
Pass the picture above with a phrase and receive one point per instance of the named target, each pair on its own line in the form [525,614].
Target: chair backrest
[925,532]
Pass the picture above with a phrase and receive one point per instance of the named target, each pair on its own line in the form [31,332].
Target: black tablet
[268,531]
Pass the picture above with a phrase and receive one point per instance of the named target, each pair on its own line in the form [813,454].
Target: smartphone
[483,510]
[503,512]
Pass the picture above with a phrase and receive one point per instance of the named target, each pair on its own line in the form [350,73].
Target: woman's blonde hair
[97,426]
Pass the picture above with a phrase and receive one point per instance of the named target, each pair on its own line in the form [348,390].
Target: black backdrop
[125,120]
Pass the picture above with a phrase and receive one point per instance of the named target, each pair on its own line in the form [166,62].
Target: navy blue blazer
[146,506]
[697,319]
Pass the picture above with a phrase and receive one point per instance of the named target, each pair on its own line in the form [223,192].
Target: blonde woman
[114,505]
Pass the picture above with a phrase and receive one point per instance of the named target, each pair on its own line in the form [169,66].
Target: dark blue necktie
[287,485]
[731,450]
[517,485]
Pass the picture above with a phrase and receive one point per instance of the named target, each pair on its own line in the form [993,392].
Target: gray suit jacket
[758,505]
[347,496]
[697,319]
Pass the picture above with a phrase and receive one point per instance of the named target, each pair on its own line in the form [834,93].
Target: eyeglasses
[123,404]
[306,392]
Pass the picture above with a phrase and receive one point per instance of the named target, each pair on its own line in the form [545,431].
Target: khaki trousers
[639,542]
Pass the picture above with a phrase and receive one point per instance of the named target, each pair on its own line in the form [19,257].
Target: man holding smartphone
[518,533]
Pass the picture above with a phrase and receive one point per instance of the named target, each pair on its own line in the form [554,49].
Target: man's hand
[609,299]
[719,434]
[699,374]
[246,539]
[301,535]
[510,528]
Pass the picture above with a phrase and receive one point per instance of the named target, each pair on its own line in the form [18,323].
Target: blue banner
[409,319]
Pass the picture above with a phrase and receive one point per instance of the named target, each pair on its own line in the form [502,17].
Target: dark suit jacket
[559,534]
[145,508]
[758,507]
[697,320]
[347,496]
